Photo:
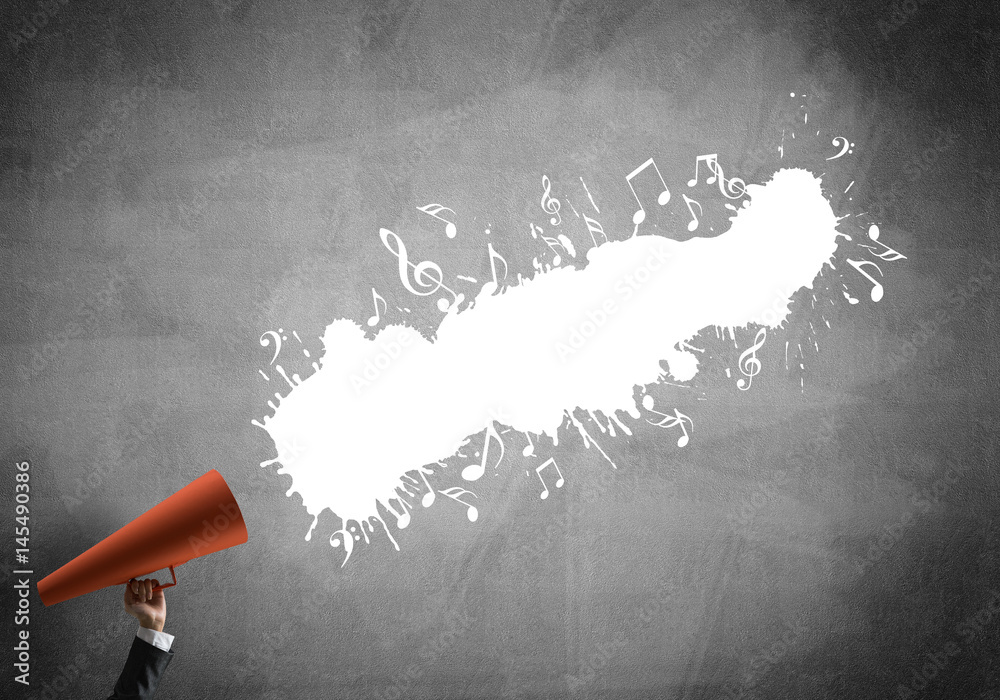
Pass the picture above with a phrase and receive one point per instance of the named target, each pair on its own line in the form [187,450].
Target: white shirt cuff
[160,640]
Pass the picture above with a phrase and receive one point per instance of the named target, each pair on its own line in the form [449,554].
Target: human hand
[149,607]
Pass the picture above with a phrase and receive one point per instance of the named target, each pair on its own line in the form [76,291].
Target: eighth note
[694,219]
[491,287]
[435,210]
[455,493]
[372,320]
[530,449]
[559,482]
[675,420]
[663,198]
[668,421]
[877,290]
[474,471]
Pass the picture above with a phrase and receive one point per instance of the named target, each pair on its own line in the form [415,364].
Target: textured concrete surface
[178,179]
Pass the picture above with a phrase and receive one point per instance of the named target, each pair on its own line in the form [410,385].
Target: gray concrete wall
[178,179]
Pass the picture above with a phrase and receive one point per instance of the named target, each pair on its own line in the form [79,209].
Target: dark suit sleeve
[143,668]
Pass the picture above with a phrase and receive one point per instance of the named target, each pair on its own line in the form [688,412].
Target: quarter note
[877,290]
[491,287]
[550,205]
[435,210]
[694,219]
[456,493]
[559,482]
[474,471]
[376,297]
[663,198]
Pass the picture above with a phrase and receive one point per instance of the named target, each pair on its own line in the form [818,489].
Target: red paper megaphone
[199,519]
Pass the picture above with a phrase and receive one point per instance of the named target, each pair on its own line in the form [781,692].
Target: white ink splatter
[529,356]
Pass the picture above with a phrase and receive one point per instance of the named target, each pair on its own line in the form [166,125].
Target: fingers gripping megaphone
[201,518]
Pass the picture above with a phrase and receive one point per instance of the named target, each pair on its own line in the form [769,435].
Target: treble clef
[749,364]
[550,205]
[426,270]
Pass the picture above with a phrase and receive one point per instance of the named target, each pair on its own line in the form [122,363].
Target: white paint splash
[529,356]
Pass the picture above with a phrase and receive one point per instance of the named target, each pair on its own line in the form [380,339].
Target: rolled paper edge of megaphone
[199,519]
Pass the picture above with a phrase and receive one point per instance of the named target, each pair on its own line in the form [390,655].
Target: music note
[277,343]
[662,199]
[420,271]
[372,320]
[428,498]
[707,160]
[669,421]
[455,493]
[559,482]
[474,471]
[889,255]
[735,185]
[491,287]
[846,148]
[749,364]
[877,290]
[595,227]
[550,205]
[694,223]
[435,210]
[562,241]
[403,516]
[530,449]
